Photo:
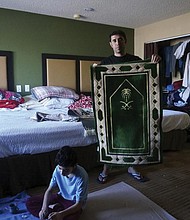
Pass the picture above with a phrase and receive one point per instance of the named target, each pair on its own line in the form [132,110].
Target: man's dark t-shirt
[117,60]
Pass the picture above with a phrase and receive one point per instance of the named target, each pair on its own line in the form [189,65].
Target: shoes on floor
[136,175]
[139,177]
[102,178]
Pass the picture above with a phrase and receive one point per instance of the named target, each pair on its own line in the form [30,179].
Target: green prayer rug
[126,99]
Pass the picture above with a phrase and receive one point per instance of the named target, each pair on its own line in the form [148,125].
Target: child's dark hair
[118,32]
[66,157]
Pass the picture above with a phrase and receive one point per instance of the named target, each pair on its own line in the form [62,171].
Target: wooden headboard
[6,70]
[68,70]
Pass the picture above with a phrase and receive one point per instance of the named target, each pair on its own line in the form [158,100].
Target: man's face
[118,45]
[65,171]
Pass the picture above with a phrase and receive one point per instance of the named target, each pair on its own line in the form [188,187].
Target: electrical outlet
[27,88]
[18,88]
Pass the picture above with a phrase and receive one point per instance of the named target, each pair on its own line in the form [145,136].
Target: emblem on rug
[126,95]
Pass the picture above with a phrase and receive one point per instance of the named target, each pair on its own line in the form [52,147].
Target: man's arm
[70,210]
[44,210]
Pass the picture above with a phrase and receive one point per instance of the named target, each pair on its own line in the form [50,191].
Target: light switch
[18,88]
[27,88]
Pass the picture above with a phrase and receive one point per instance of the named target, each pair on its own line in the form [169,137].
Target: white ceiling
[124,13]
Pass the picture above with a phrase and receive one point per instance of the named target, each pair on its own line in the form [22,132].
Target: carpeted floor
[169,185]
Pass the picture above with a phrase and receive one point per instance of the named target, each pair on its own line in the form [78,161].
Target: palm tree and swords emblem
[126,102]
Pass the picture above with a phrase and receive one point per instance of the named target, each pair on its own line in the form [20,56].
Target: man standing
[118,42]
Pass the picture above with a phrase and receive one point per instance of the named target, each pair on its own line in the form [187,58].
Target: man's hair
[118,32]
[66,157]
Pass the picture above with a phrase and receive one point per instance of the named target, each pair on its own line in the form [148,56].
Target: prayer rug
[121,201]
[126,99]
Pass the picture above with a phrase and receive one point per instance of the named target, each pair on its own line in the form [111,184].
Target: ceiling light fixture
[76,16]
[89,9]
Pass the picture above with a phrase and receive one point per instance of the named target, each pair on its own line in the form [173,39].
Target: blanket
[14,208]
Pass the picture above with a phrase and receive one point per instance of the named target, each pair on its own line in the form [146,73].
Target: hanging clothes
[181,56]
[186,78]
[170,59]
[169,62]
[167,58]
[181,49]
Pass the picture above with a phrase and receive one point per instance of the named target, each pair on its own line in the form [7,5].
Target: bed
[174,127]
[28,145]
[176,120]
[28,148]
[27,154]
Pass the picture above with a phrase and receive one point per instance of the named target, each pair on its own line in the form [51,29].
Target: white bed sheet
[19,134]
[174,120]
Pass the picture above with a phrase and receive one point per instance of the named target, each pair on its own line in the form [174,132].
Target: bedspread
[21,134]
[174,120]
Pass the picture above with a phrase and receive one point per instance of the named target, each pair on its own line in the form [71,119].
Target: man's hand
[56,216]
[155,58]
[43,214]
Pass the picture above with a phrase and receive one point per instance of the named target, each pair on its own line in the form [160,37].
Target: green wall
[29,35]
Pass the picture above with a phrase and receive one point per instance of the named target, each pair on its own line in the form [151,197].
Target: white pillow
[42,92]
[29,98]
[56,103]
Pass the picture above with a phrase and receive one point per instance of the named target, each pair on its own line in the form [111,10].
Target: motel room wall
[170,28]
[28,35]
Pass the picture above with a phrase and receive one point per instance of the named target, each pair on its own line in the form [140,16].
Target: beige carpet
[120,202]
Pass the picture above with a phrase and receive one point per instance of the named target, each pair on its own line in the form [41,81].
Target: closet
[174,68]
[171,68]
